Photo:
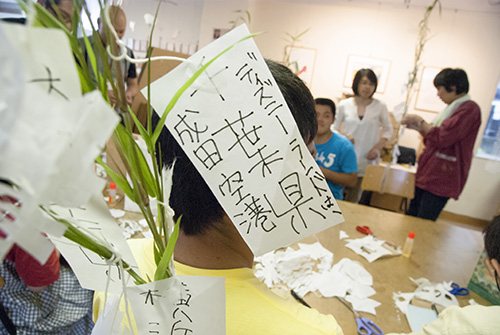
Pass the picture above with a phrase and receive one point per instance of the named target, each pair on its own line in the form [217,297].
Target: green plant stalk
[423,25]
[76,235]
[293,39]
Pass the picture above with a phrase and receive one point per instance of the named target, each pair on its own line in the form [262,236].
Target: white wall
[217,14]
[179,24]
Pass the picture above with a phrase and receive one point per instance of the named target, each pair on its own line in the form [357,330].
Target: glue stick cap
[411,234]
[112,186]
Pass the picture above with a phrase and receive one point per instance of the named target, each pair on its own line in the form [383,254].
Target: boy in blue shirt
[334,153]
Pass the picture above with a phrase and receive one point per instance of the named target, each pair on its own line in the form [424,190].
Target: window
[490,143]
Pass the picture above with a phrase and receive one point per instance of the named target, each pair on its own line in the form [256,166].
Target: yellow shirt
[251,308]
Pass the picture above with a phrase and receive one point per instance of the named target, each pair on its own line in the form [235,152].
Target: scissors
[457,290]
[365,325]
[364,230]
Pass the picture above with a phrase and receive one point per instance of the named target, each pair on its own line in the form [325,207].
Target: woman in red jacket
[449,141]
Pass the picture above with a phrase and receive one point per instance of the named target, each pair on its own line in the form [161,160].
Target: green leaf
[139,168]
[302,33]
[143,131]
[162,266]
[186,85]
[120,182]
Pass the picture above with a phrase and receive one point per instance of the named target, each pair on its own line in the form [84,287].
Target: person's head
[61,9]
[364,83]
[118,21]
[325,115]
[492,245]
[190,196]
[451,84]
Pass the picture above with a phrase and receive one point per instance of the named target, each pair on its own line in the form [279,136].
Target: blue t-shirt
[337,155]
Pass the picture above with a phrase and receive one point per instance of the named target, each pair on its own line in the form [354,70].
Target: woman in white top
[359,119]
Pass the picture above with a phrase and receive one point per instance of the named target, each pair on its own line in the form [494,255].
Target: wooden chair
[391,187]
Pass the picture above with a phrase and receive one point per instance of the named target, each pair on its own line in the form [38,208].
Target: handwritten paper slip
[177,305]
[371,248]
[91,269]
[52,133]
[236,128]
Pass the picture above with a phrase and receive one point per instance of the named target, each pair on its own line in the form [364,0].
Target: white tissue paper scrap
[431,292]
[116,213]
[129,227]
[370,248]
[343,235]
[309,269]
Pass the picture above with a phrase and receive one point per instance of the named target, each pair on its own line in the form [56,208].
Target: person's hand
[129,96]
[112,99]
[373,154]
[413,121]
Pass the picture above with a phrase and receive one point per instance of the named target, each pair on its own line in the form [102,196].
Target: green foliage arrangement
[145,182]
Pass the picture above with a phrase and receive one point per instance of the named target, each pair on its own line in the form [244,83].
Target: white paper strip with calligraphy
[177,305]
[236,128]
[92,270]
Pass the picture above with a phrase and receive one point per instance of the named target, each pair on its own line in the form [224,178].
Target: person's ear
[453,89]
[495,264]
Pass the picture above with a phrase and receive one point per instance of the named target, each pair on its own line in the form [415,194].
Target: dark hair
[368,73]
[298,98]
[326,102]
[492,238]
[50,3]
[190,196]
[449,78]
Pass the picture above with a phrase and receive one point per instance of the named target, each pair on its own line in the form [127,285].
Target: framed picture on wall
[381,68]
[301,61]
[427,99]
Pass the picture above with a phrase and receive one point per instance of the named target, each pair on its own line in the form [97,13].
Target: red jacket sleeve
[32,272]
[466,119]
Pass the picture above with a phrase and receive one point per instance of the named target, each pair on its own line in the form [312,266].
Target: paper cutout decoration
[438,293]
[52,135]
[236,128]
[91,269]
[177,305]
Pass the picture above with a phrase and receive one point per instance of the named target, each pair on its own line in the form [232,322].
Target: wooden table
[441,252]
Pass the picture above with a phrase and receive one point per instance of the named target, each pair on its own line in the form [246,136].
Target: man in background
[127,68]
[335,154]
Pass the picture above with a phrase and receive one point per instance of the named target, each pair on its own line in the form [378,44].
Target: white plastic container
[408,247]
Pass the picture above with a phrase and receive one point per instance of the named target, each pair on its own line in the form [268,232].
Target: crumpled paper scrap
[437,293]
[309,269]
[371,248]
[343,235]
[295,269]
